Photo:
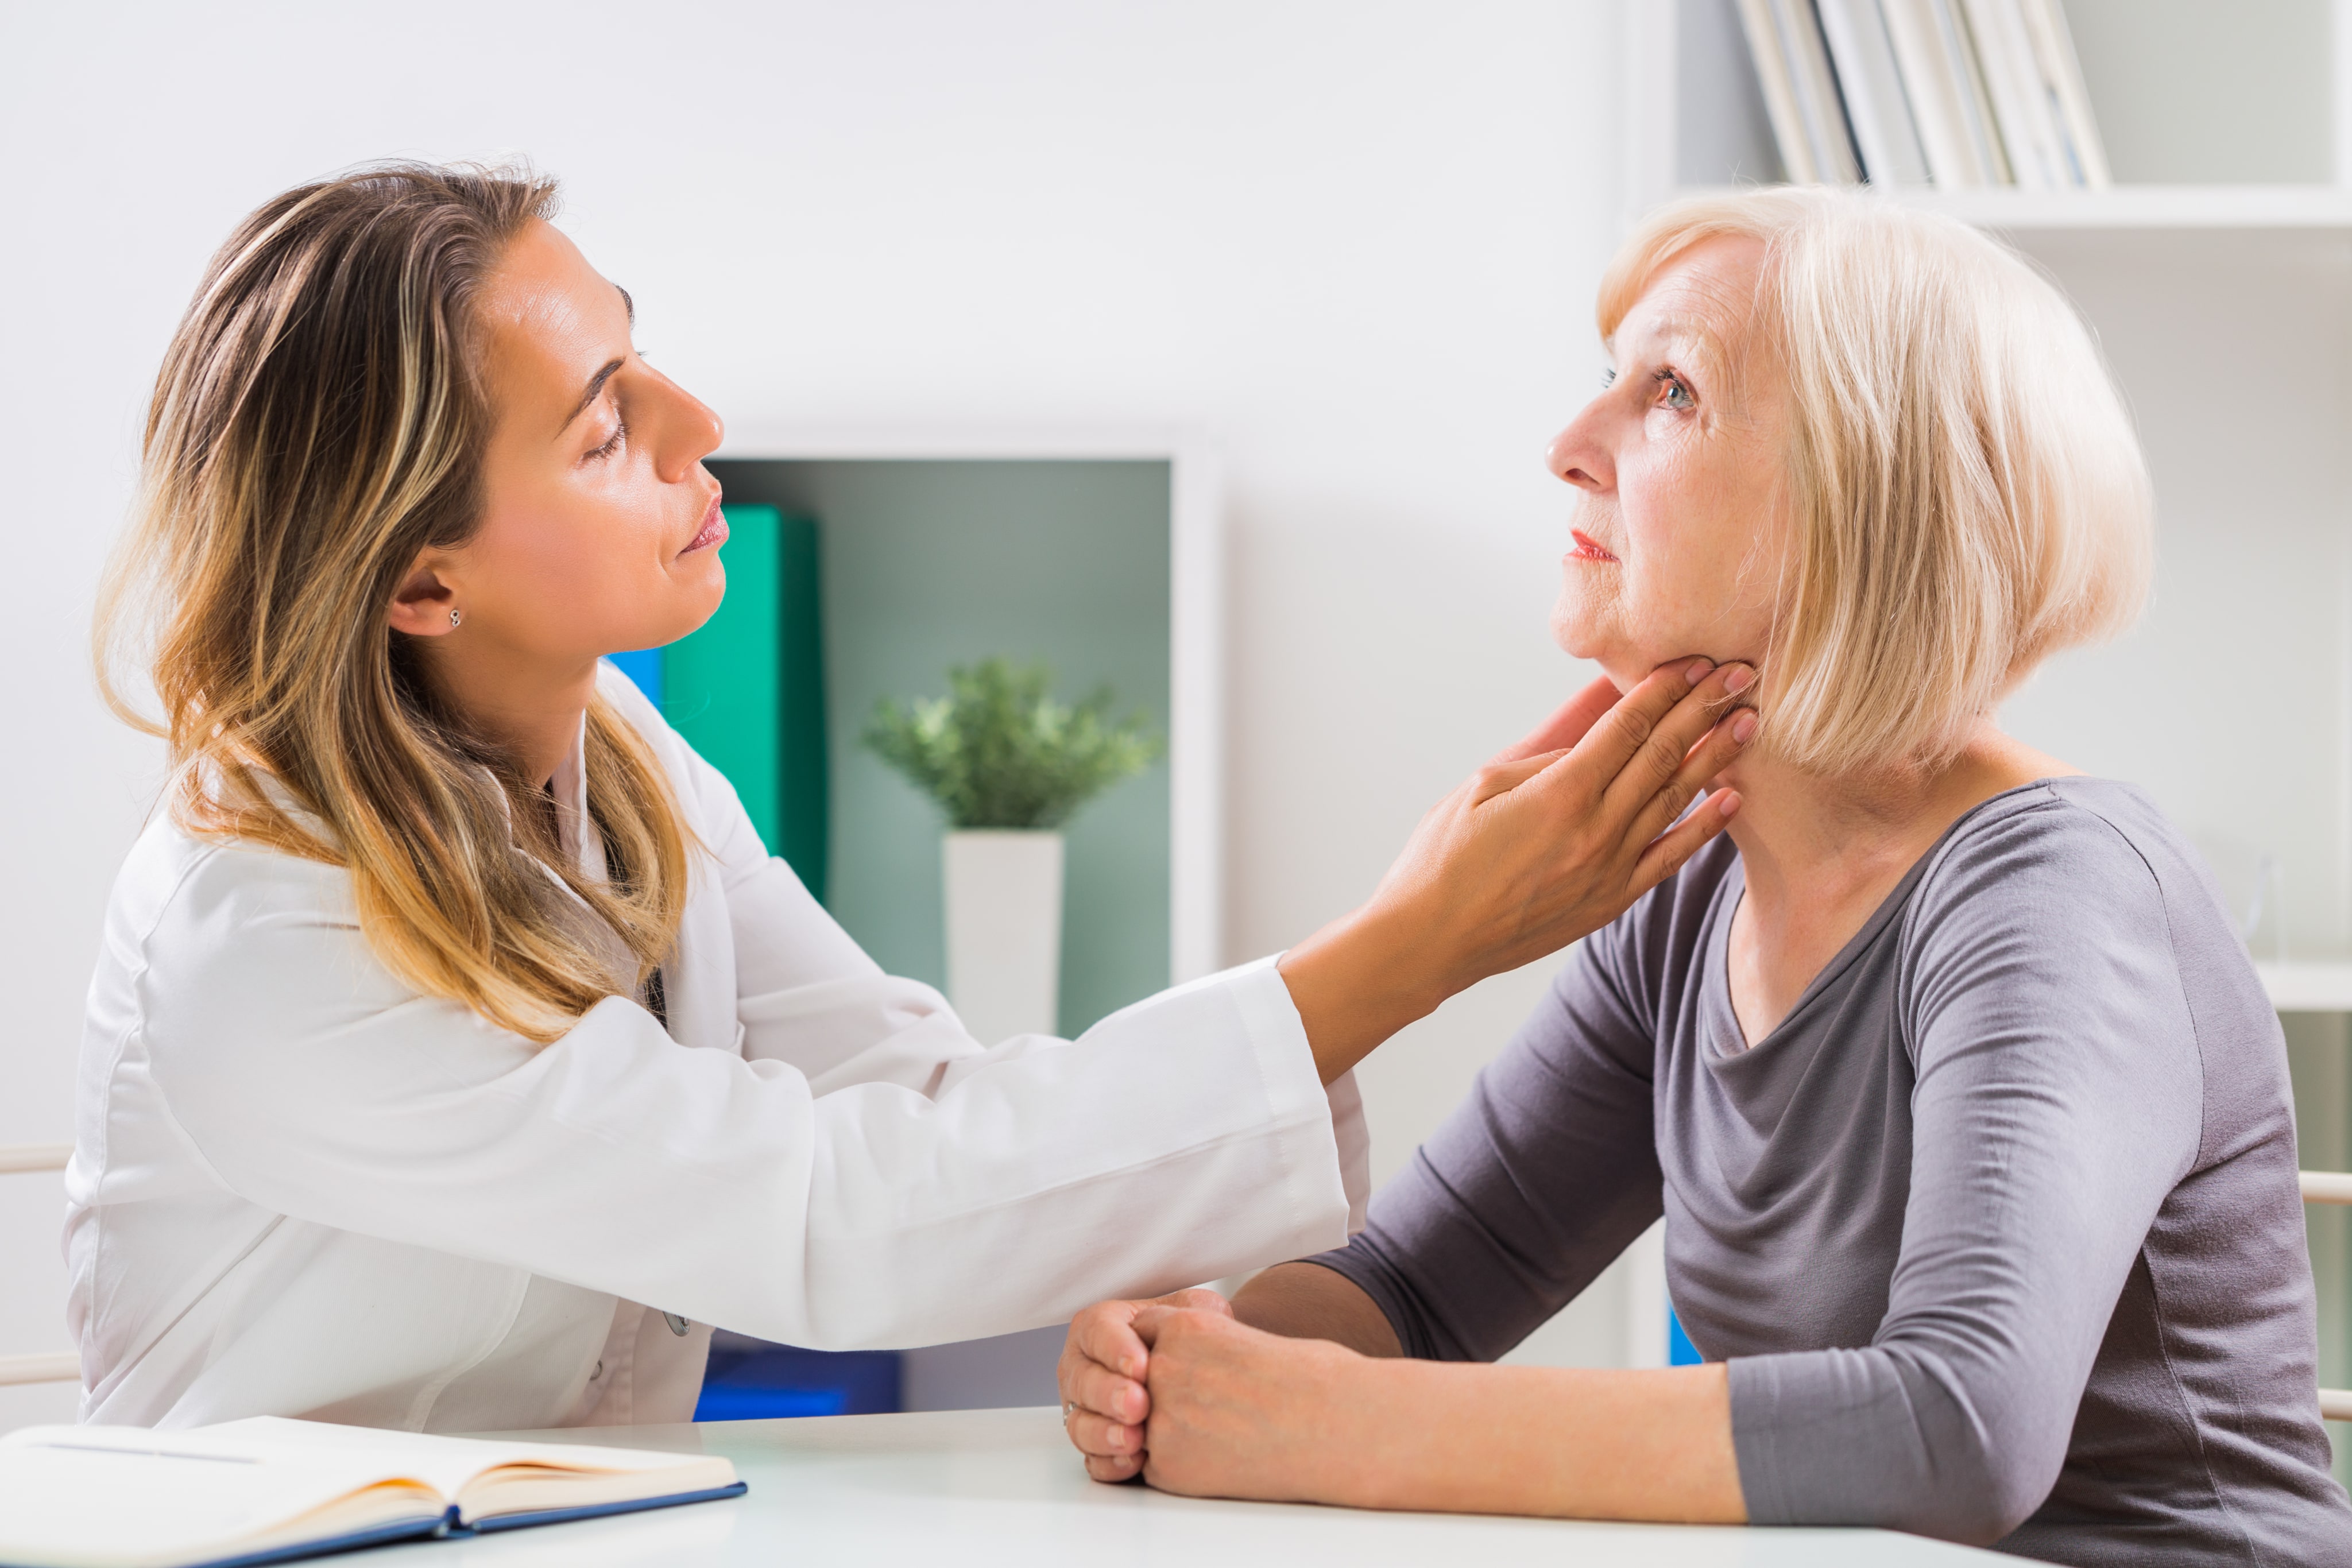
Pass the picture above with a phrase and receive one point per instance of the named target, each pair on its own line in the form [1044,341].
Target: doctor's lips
[712,532]
[1586,549]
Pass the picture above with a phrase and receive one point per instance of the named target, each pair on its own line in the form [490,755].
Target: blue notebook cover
[383,1535]
[565,1515]
[448,1525]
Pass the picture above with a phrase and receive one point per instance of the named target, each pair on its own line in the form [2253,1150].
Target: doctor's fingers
[1695,744]
[1636,747]
[1715,751]
[1669,851]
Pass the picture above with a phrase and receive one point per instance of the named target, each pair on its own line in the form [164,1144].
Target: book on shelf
[1937,89]
[1976,103]
[1960,94]
[268,1489]
[2020,105]
[2061,74]
[1779,90]
[1872,85]
[1819,104]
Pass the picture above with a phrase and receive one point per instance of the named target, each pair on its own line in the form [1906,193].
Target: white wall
[1354,243]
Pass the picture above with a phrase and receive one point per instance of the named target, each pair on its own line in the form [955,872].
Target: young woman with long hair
[456,1056]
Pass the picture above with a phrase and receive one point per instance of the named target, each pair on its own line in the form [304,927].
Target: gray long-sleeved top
[1997,1229]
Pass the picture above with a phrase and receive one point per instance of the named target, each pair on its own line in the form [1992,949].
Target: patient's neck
[1821,852]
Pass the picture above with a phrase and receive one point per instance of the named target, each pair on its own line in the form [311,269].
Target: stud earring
[453,618]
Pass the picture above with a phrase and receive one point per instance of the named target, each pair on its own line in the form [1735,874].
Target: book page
[66,1503]
[485,1475]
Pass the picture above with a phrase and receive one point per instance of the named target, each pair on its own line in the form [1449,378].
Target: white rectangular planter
[1004,930]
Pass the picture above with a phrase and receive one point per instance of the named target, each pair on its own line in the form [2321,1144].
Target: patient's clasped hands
[1549,842]
[1229,1410]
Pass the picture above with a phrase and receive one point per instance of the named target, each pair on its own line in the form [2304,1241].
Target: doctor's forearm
[1358,981]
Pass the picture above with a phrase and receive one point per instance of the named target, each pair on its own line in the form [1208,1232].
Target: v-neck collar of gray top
[1728,1048]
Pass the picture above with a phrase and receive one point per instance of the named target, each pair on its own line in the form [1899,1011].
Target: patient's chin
[1584,629]
[1625,659]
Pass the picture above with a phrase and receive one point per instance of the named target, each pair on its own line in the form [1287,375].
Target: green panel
[719,685]
[746,690]
[803,780]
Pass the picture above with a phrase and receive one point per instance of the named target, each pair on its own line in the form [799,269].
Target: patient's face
[1679,525]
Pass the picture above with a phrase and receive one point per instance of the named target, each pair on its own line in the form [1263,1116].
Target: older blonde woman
[1968,1118]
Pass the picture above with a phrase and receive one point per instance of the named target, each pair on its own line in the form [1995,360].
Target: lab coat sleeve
[1182,1139]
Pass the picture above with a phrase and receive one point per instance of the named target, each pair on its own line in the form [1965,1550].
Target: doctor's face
[600,528]
[1679,525]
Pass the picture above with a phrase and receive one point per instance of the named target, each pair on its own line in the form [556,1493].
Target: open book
[266,1489]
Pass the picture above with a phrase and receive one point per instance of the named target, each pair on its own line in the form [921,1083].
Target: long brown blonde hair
[318,421]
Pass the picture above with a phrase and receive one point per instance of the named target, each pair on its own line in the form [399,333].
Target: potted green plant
[1008,766]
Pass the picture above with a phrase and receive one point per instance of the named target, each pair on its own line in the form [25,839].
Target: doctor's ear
[425,604]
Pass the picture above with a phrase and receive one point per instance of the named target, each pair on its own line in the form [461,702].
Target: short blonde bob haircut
[1965,493]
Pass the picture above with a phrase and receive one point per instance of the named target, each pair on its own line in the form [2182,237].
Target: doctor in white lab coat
[404,461]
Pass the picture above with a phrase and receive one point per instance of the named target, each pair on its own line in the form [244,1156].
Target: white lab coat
[298,1189]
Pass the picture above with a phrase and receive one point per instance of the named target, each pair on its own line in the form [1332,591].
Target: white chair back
[2330,1187]
[60,1366]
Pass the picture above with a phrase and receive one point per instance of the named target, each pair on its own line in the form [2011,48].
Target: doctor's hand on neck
[1546,843]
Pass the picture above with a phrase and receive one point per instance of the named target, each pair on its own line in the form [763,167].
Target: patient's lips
[1587,547]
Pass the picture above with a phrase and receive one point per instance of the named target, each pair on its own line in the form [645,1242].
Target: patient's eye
[1676,392]
[1609,377]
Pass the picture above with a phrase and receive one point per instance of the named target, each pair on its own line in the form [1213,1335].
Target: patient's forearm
[1568,1442]
[1237,1411]
[1306,1301]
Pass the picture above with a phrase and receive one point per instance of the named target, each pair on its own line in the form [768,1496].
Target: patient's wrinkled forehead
[1701,316]
[1698,314]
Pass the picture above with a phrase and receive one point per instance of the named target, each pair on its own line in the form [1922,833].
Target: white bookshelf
[2214,116]
[2140,208]
[2308,986]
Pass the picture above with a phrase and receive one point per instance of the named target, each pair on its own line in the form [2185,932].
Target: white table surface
[969,1488]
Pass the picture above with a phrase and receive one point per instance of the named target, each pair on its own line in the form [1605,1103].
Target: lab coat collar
[578,839]
[575,830]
